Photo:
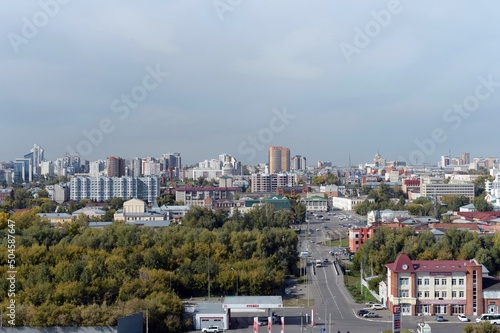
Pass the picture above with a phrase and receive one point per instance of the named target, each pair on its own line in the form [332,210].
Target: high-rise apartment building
[465,158]
[445,161]
[115,167]
[298,162]
[172,164]
[279,159]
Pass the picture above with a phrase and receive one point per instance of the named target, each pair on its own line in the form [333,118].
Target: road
[334,307]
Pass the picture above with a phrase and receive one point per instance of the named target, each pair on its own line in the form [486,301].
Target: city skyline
[331,81]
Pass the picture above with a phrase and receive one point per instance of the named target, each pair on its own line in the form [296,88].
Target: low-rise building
[431,287]
[315,204]
[344,203]
[56,219]
[196,196]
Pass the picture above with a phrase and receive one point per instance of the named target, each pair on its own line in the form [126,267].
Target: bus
[493,318]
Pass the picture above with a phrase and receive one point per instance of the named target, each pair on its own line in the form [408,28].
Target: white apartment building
[439,190]
[104,188]
[347,203]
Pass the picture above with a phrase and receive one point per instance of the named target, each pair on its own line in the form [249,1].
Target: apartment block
[104,188]
[265,182]
[439,190]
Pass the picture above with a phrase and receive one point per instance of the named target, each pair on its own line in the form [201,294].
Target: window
[453,282]
[443,282]
[453,294]
[436,294]
[461,294]
[426,282]
[427,294]
[404,281]
[419,294]
[419,282]
[436,282]
[404,293]
[443,294]
[460,282]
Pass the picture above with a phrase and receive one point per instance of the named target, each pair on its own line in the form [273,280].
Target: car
[276,318]
[370,303]
[462,317]
[376,306]
[362,312]
[370,315]
[325,260]
[211,329]
[439,318]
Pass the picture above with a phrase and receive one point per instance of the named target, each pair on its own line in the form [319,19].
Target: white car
[462,317]
[377,307]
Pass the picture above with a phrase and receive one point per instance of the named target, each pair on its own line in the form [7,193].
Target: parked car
[363,312]
[262,321]
[462,317]
[370,315]
[376,306]
[211,329]
[439,318]
[370,303]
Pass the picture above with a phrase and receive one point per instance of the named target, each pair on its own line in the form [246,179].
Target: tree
[481,205]
[454,202]
[483,327]
[479,184]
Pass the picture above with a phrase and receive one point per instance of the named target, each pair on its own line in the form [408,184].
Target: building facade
[197,196]
[440,190]
[115,167]
[265,182]
[431,287]
[279,159]
[104,188]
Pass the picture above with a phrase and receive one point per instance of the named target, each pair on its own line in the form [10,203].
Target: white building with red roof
[430,287]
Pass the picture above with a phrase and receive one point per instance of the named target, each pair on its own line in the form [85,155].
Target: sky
[330,80]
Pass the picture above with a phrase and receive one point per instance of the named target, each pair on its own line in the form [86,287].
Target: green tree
[481,204]
[479,184]
[454,202]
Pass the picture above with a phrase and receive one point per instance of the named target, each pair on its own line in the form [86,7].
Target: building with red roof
[430,287]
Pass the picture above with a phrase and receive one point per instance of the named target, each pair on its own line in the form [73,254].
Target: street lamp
[237,280]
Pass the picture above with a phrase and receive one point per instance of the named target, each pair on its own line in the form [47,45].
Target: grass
[299,302]
[353,285]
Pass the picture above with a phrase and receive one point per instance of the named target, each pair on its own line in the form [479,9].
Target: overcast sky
[323,78]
